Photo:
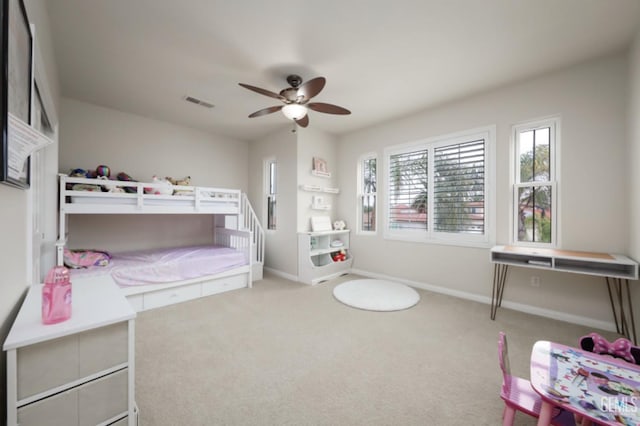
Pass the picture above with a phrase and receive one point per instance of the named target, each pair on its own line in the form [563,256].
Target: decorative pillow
[85,258]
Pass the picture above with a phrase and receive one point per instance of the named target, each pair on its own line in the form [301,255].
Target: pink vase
[56,296]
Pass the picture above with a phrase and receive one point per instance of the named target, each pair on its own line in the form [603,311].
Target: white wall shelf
[316,188]
[321,174]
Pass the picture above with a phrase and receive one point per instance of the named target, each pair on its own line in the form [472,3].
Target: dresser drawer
[103,348]
[58,410]
[86,405]
[170,296]
[76,356]
[224,284]
[103,399]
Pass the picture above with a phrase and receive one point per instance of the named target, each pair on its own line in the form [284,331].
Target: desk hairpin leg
[617,294]
[499,280]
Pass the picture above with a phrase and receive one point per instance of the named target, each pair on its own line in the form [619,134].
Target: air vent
[198,102]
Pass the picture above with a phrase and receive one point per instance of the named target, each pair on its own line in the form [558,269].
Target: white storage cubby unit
[315,249]
[77,372]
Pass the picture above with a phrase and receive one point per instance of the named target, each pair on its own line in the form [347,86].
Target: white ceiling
[382,59]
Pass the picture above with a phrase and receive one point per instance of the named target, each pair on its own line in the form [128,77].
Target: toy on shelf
[339,256]
[339,225]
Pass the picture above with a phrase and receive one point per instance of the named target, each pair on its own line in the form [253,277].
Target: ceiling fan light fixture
[294,111]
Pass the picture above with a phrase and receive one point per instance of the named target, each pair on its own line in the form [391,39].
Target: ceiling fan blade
[311,88]
[263,91]
[304,121]
[328,108]
[266,111]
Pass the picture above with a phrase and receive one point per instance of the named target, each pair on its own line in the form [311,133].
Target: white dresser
[78,372]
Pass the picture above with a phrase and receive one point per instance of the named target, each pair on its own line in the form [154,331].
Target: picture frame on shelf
[17,91]
[317,202]
[320,167]
[320,223]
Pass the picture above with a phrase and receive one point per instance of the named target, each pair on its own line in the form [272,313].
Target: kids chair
[518,394]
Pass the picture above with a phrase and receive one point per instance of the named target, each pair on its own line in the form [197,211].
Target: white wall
[315,143]
[281,245]
[13,206]
[591,98]
[91,135]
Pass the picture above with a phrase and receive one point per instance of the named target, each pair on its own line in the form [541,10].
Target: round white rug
[376,295]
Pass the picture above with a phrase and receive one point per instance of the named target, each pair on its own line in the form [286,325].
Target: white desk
[62,372]
[615,268]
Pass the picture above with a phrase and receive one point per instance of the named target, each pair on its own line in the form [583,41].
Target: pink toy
[620,348]
[56,296]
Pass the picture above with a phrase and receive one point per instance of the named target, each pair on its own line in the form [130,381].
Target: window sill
[477,243]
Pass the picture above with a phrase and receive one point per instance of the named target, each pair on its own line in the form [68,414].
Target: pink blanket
[166,265]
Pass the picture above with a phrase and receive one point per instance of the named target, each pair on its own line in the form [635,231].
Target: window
[367,183]
[271,189]
[534,189]
[438,190]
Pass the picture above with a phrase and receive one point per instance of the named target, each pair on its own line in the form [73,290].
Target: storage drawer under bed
[224,284]
[156,299]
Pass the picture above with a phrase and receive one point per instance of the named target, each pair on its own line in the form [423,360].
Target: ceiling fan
[296,100]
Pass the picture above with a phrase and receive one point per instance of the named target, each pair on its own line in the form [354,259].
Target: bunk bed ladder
[251,223]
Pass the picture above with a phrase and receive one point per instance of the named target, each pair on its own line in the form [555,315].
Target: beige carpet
[285,353]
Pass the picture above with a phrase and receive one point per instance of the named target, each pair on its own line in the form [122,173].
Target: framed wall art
[16,92]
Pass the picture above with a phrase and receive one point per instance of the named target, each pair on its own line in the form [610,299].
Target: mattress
[167,265]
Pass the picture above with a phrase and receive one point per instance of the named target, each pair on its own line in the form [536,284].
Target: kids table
[600,388]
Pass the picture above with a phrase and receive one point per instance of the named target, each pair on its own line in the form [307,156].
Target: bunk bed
[182,276]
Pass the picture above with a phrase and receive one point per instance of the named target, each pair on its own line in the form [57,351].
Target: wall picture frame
[320,166]
[16,93]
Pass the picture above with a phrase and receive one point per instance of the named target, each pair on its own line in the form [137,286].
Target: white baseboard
[281,274]
[533,310]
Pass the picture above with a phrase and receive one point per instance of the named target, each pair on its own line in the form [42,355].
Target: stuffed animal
[78,173]
[110,187]
[164,187]
[339,256]
[122,176]
[339,225]
[185,181]
[81,173]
